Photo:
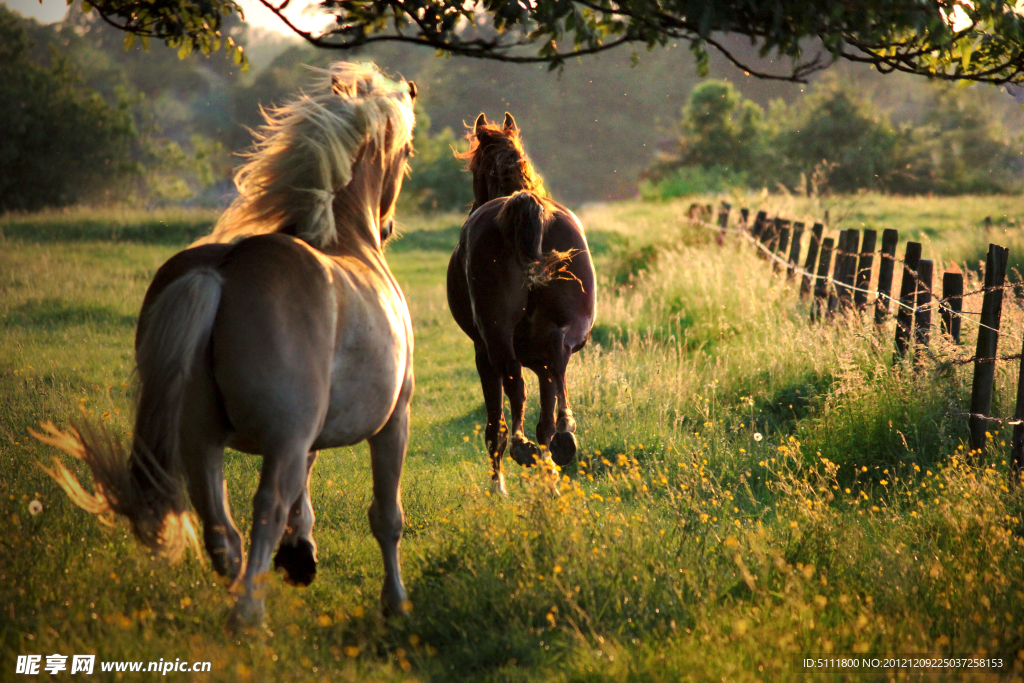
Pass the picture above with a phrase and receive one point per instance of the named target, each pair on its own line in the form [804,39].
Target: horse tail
[523,219]
[146,483]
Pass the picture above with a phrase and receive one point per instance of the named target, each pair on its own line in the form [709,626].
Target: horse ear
[481,121]
[413,90]
[510,123]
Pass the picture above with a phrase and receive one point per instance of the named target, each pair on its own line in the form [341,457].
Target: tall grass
[750,487]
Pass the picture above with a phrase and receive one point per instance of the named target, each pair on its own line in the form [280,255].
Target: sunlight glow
[307,16]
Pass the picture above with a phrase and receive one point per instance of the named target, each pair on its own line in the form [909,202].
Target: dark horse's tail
[145,483]
[523,220]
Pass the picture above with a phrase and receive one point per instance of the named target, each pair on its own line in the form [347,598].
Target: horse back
[487,292]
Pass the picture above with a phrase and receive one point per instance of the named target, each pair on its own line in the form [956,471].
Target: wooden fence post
[952,298]
[767,231]
[767,239]
[744,215]
[794,249]
[812,256]
[867,259]
[1017,451]
[771,232]
[783,226]
[988,344]
[886,261]
[905,310]
[837,273]
[820,283]
[849,267]
[923,312]
[759,222]
[723,221]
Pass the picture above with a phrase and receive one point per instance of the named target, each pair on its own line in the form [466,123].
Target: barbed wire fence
[847,289]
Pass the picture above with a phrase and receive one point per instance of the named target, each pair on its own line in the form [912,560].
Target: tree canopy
[836,138]
[59,140]
[87,122]
[974,40]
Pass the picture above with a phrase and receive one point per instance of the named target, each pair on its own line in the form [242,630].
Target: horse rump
[523,220]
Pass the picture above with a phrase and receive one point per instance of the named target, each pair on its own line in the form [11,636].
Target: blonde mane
[304,152]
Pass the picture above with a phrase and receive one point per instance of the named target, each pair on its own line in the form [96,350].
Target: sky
[256,14]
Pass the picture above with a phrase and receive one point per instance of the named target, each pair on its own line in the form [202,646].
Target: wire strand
[938,303]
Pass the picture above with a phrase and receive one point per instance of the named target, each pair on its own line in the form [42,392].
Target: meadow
[752,489]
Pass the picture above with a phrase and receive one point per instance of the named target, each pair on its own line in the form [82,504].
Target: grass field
[752,488]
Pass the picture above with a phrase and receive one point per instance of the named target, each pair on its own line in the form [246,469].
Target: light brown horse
[281,333]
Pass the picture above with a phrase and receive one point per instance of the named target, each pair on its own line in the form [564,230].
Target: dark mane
[499,152]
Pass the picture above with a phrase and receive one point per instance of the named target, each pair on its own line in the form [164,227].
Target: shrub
[437,181]
[722,143]
[691,180]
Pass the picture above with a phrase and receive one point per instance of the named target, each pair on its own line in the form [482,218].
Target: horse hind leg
[202,438]
[296,555]
[548,395]
[502,358]
[282,479]
[524,451]
[563,443]
[208,493]
[496,432]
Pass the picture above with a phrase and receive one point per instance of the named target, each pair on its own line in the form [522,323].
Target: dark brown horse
[522,286]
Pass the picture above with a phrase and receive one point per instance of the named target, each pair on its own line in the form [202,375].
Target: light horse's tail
[523,220]
[146,484]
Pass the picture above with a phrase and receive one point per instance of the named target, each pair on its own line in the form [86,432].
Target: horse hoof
[225,562]
[298,562]
[563,448]
[394,603]
[526,453]
[225,551]
[498,486]
[247,614]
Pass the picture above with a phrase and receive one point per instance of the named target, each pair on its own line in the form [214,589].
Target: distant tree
[437,180]
[835,139]
[59,142]
[720,128]
[958,147]
[837,136]
[86,121]
[980,40]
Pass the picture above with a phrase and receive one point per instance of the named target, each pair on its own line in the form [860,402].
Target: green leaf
[129,41]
